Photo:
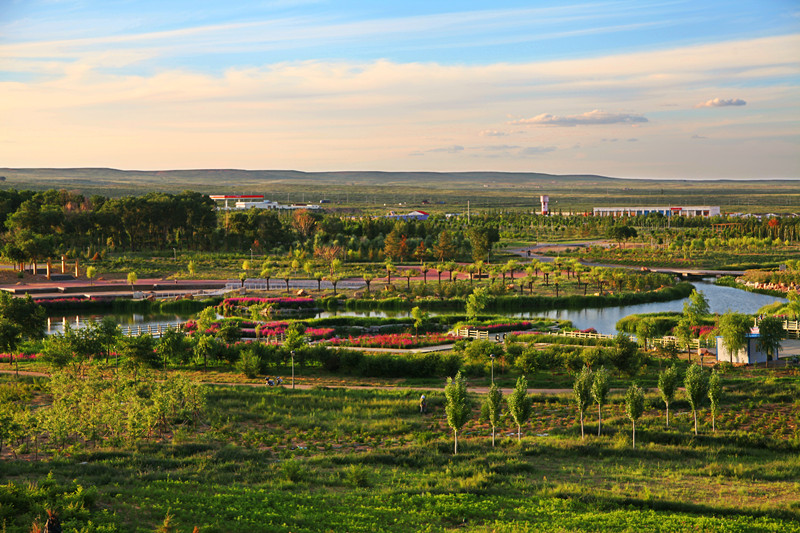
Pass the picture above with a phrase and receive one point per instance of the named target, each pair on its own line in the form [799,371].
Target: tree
[191,268]
[645,331]
[444,248]
[519,405]
[770,335]
[714,395]
[266,273]
[295,337]
[91,273]
[668,386]
[494,408]
[481,240]
[600,387]
[458,405]
[368,277]
[696,308]
[132,278]
[582,392]
[20,319]
[476,302]
[634,406]
[303,223]
[420,317]
[683,331]
[696,385]
[140,351]
[173,346]
[621,233]
[107,333]
[733,328]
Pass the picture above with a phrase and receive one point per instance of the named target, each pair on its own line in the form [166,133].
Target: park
[573,373]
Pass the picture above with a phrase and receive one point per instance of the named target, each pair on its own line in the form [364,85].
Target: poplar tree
[519,405]
[600,387]
[494,407]
[582,390]
[458,407]
[667,386]
[696,384]
[634,406]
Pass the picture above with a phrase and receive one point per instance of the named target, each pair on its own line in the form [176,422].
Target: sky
[629,88]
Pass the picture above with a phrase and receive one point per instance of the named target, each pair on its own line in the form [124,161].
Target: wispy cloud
[721,102]
[592,118]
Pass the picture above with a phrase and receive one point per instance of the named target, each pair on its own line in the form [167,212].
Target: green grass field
[265,459]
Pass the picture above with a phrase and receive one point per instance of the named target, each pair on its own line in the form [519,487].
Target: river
[604,319]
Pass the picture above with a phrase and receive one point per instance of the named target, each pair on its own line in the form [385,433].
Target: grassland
[266,459]
[443,192]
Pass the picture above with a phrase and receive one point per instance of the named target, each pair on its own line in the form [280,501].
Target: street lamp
[251,255]
[491,356]
[292,369]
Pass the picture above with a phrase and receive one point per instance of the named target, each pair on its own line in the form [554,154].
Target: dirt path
[305,386]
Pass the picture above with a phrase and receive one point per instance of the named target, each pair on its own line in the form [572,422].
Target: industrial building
[257,201]
[667,211]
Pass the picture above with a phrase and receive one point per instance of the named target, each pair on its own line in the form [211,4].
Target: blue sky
[674,89]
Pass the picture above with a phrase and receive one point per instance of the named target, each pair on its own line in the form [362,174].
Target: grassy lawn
[272,459]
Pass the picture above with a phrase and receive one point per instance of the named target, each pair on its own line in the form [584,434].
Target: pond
[604,320]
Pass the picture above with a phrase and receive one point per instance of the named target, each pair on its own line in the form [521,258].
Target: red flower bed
[392,340]
[506,326]
[281,301]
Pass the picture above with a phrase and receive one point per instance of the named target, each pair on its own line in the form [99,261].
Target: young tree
[420,317]
[696,385]
[458,405]
[601,384]
[173,346]
[368,277]
[191,268]
[667,386]
[714,395]
[494,408]
[634,406]
[140,351]
[582,391]
[733,328]
[132,278]
[519,405]
[476,302]
[770,336]
[683,331]
[91,273]
[108,334]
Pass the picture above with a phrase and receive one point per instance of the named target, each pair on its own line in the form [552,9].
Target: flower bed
[283,301]
[502,327]
[392,340]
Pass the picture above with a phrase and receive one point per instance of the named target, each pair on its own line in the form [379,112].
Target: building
[749,354]
[667,211]
[257,201]
[413,215]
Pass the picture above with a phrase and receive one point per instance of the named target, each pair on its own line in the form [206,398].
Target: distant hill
[482,189]
[218,179]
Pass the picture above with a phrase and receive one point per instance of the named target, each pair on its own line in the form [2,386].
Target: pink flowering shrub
[392,340]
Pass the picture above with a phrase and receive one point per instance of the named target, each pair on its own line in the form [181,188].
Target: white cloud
[720,102]
[493,133]
[592,118]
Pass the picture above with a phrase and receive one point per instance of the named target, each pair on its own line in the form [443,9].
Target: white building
[667,211]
